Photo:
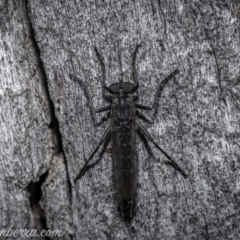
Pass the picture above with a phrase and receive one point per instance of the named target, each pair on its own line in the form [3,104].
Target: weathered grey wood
[197,123]
[56,200]
[25,138]
[28,146]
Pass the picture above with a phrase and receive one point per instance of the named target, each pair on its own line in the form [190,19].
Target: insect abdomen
[125,160]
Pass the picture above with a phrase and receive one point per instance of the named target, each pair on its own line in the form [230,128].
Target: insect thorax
[122,111]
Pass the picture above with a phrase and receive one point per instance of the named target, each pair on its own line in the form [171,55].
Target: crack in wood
[34,188]
[54,124]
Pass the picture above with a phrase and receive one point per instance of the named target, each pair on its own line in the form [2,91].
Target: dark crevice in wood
[34,188]
[54,125]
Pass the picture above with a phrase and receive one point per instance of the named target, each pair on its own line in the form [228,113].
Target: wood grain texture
[25,138]
[197,122]
[28,141]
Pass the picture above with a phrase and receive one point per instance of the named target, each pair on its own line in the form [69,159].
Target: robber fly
[123,128]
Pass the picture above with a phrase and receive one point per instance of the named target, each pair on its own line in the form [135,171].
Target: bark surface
[47,132]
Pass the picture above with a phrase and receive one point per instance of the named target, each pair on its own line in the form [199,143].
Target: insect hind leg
[103,139]
[150,138]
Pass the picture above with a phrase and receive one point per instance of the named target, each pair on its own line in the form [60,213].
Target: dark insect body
[124,150]
[122,130]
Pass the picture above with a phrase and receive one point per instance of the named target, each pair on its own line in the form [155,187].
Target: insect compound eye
[128,87]
[114,87]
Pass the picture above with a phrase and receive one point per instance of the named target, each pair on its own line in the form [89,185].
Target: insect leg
[103,81]
[140,106]
[89,100]
[104,137]
[150,138]
[157,95]
[144,117]
[134,70]
[103,109]
[160,88]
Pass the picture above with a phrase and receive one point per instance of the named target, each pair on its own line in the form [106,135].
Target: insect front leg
[103,80]
[134,69]
[157,95]
[89,100]
[150,138]
[104,137]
